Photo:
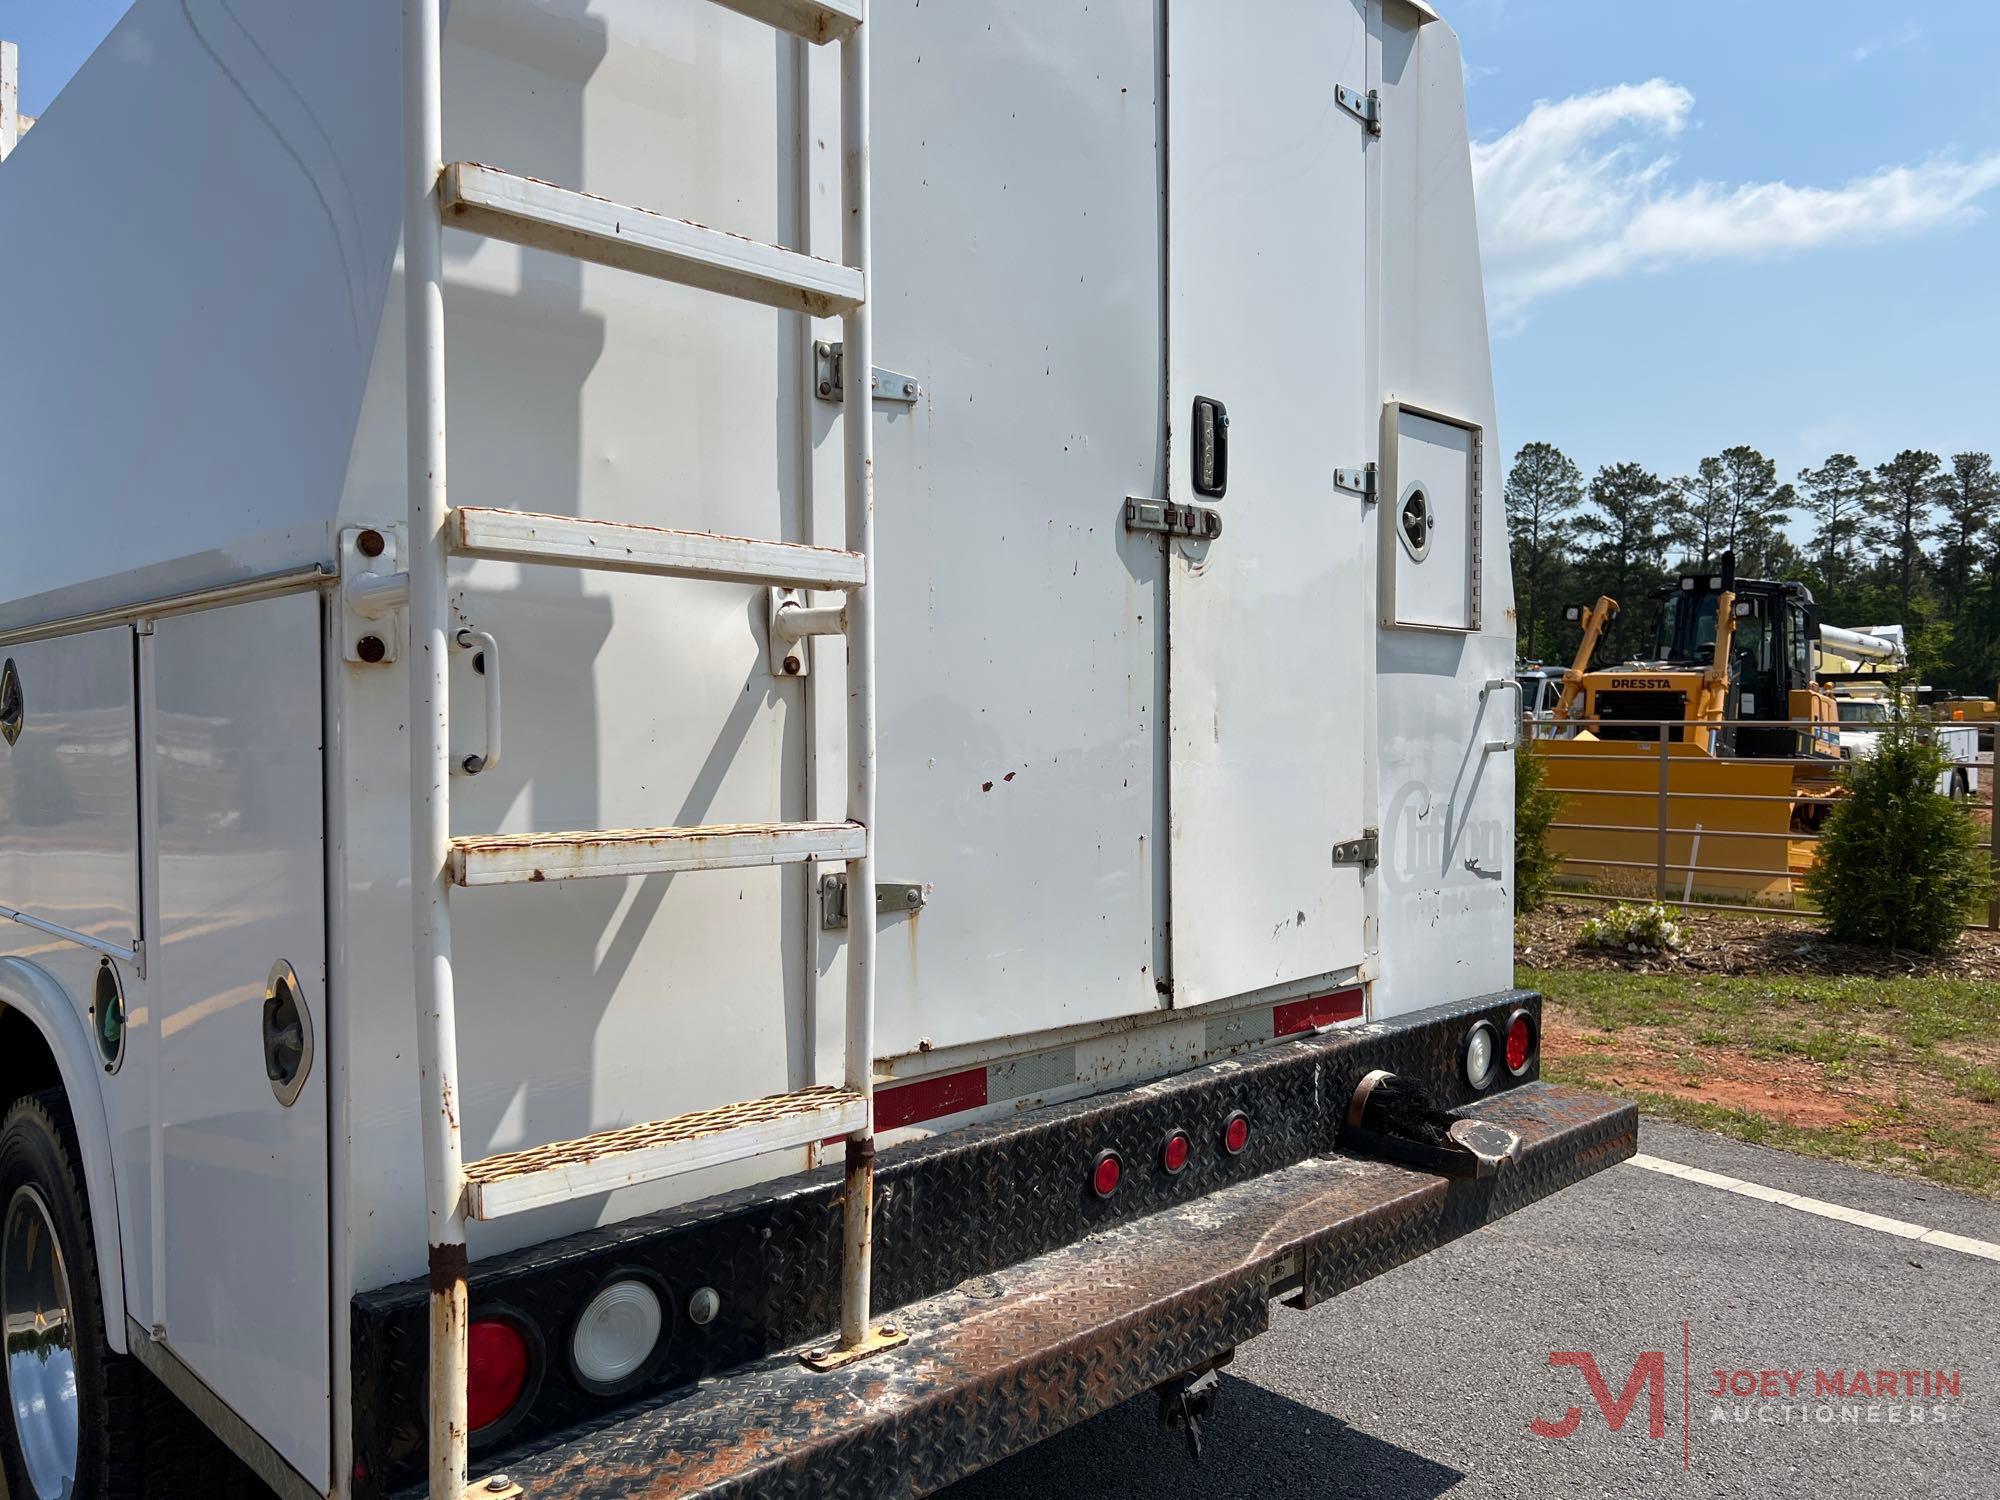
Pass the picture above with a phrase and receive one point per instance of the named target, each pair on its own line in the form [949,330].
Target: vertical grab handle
[486,662]
[1520,706]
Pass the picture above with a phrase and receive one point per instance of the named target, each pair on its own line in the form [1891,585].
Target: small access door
[1270,624]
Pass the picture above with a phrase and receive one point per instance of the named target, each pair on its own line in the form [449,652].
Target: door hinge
[1365,851]
[829,365]
[1202,522]
[890,898]
[1361,481]
[1367,108]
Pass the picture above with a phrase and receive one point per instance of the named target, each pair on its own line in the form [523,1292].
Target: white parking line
[1901,1228]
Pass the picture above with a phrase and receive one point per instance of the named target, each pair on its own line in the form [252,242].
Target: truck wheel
[72,1421]
[1961,784]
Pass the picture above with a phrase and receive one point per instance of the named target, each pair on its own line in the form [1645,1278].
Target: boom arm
[1596,620]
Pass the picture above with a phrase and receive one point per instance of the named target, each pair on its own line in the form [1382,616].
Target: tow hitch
[1395,1118]
[1188,1401]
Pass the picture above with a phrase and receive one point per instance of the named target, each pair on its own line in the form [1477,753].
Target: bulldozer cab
[1770,662]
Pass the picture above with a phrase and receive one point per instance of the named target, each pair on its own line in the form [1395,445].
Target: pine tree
[1835,497]
[1899,517]
[1544,489]
[1967,499]
[1626,523]
[1696,513]
[1755,507]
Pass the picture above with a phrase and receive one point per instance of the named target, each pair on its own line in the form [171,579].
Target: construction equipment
[1724,737]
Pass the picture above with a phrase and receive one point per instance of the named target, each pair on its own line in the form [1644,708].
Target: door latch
[1201,522]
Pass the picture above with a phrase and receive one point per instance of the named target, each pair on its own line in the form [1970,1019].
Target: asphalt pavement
[1424,1382]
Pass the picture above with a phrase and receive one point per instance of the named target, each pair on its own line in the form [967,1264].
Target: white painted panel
[198,234]
[1431,482]
[237,746]
[69,788]
[1446,809]
[69,855]
[1269,623]
[1017,277]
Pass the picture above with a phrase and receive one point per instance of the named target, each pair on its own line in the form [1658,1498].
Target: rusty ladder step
[527,858]
[520,1180]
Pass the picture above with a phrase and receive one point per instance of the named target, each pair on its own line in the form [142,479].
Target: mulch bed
[1718,943]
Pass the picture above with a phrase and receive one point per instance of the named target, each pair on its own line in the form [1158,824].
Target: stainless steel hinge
[1202,522]
[1367,108]
[1365,851]
[890,898]
[829,365]
[1361,481]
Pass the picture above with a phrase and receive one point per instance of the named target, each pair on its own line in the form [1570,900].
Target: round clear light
[1479,1056]
[617,1332]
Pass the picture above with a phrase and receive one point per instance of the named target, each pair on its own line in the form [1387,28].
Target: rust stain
[448,1264]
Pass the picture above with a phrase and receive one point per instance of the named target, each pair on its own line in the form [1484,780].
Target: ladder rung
[516,858]
[521,1180]
[566,541]
[815,20]
[524,211]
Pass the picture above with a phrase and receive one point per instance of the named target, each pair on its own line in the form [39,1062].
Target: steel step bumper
[1006,1359]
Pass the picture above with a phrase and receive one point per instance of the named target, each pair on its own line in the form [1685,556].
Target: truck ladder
[537,214]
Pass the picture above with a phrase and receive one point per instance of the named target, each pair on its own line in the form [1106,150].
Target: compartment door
[1271,625]
[243,1105]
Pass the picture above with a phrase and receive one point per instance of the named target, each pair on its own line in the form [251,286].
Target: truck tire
[73,1421]
[133,1440]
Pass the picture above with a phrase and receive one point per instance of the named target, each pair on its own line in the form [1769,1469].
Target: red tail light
[497,1372]
[1236,1133]
[1104,1176]
[1520,1042]
[1174,1155]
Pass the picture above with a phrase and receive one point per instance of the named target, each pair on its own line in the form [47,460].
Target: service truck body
[1174,826]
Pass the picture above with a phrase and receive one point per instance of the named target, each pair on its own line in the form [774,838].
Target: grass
[1901,1074]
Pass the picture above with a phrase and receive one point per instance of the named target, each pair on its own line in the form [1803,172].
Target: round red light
[1520,1043]
[1104,1176]
[497,1371]
[1236,1134]
[1174,1155]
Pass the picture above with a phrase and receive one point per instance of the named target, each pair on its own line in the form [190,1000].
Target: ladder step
[524,211]
[567,541]
[521,1180]
[815,20]
[517,858]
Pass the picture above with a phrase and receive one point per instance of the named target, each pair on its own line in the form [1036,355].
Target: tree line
[1913,540]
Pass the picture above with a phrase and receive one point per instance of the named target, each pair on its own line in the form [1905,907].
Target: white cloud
[1581,190]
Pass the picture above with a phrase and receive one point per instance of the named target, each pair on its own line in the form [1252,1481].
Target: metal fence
[1637,811]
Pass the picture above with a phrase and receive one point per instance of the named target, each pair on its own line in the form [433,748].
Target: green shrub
[1648,929]
[1899,865]
[1534,809]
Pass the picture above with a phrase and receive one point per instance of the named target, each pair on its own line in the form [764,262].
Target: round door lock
[288,1036]
[13,709]
[1416,522]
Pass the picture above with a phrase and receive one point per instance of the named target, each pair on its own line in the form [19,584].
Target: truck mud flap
[1005,1359]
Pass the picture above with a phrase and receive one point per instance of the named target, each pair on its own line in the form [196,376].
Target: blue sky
[1707,221]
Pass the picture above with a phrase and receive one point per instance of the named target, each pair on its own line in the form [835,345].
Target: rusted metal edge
[966,1203]
[999,1363]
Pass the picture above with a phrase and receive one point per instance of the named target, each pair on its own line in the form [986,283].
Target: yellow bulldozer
[1705,766]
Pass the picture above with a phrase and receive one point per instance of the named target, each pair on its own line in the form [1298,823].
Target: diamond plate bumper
[1008,1358]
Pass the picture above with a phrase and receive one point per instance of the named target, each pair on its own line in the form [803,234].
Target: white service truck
[918,827]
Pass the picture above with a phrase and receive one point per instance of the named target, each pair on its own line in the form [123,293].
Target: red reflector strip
[929,1098]
[1317,1010]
